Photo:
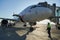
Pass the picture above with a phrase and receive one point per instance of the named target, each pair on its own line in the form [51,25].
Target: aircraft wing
[55,17]
[58,7]
[12,19]
[9,19]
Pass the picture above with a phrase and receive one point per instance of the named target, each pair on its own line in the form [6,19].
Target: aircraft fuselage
[35,14]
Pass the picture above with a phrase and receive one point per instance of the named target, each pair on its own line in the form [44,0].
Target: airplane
[32,14]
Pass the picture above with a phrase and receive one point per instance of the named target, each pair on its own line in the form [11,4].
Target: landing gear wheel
[31,29]
[24,25]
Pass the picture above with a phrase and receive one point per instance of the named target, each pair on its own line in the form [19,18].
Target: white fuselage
[35,14]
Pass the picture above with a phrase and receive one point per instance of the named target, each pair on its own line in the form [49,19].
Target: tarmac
[18,32]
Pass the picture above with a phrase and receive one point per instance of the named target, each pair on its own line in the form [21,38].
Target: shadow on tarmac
[11,34]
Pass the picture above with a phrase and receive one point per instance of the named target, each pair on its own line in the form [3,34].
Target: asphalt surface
[23,33]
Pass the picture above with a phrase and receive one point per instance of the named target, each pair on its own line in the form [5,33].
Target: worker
[49,29]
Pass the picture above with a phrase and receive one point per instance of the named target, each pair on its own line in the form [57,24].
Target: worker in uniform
[49,30]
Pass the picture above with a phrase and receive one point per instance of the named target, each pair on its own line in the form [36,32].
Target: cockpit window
[43,4]
[33,6]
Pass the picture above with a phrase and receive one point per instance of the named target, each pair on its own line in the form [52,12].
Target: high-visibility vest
[49,26]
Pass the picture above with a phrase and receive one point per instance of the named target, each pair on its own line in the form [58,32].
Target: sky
[8,7]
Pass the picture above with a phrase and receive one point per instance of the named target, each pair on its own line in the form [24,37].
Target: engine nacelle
[4,22]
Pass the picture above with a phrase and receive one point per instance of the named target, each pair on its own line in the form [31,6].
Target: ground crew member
[49,29]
